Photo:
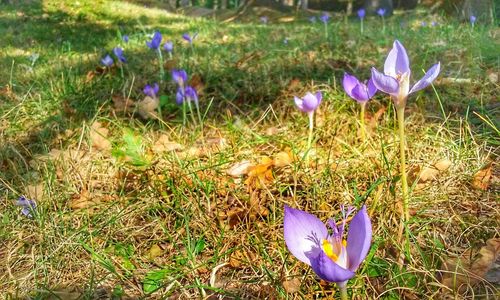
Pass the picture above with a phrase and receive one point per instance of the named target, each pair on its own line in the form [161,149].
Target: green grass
[217,235]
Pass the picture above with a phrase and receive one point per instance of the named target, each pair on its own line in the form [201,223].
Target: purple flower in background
[107,60]
[28,206]
[187,94]
[361,13]
[179,77]
[396,78]
[125,38]
[264,19]
[312,19]
[381,12]
[309,103]
[168,46]
[472,20]
[331,257]
[151,91]
[324,18]
[188,38]
[285,41]
[423,24]
[434,23]
[361,92]
[119,54]
[155,41]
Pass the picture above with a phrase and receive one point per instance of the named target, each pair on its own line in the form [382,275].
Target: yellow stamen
[328,249]
[344,243]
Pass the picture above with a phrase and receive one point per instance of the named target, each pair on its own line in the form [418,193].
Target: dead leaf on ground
[147,108]
[373,119]
[154,251]
[122,104]
[99,137]
[239,168]
[432,172]
[260,174]
[292,285]
[206,147]
[283,159]
[163,144]
[197,83]
[481,179]
[34,192]
[469,269]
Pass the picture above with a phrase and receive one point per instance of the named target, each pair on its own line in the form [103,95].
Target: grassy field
[132,208]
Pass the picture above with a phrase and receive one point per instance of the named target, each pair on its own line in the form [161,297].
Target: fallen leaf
[34,192]
[154,251]
[373,120]
[431,172]
[90,75]
[82,200]
[260,174]
[292,285]
[481,179]
[240,168]
[122,104]
[99,137]
[468,269]
[197,83]
[283,159]
[147,108]
[163,144]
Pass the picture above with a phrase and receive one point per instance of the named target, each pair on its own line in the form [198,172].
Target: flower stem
[400,110]
[343,292]
[361,26]
[383,24]
[326,31]
[311,128]
[160,60]
[362,122]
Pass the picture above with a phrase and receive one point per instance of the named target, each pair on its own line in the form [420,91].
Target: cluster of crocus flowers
[331,256]
[185,93]
[395,81]
[308,104]
[151,91]
[361,92]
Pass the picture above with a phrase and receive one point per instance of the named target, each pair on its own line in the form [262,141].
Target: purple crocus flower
[125,38]
[264,19]
[28,206]
[331,257]
[179,77]
[119,54]
[361,92]
[188,38]
[396,78]
[107,60]
[285,41]
[151,91]
[309,103]
[324,18]
[434,23]
[472,19]
[168,46]
[312,19]
[155,41]
[187,94]
[361,13]
[381,11]
[423,24]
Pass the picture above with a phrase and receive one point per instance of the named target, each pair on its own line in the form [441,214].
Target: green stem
[326,31]
[199,114]
[311,128]
[383,24]
[191,110]
[184,113]
[362,121]
[343,292]
[400,110]
[361,26]
[162,71]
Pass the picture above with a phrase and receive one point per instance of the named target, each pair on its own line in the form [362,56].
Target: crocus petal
[303,233]
[190,92]
[179,97]
[156,88]
[328,270]
[428,78]
[310,102]
[360,93]
[397,61]
[386,84]
[319,97]
[372,89]
[359,239]
[349,82]
[299,103]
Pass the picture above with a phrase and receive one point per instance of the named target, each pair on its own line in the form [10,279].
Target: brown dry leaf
[431,173]
[163,144]
[294,84]
[260,174]
[481,179]
[206,147]
[99,137]
[244,61]
[197,83]
[283,159]
[154,251]
[469,269]
[239,168]
[90,75]
[34,192]
[292,285]
[373,120]
[236,258]
[147,108]
[82,200]
[122,104]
